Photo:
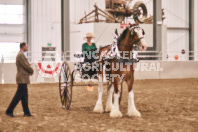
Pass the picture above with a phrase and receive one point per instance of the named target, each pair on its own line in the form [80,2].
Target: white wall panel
[12,2]
[176,41]
[176,12]
[46,25]
[12,38]
[177,21]
[12,29]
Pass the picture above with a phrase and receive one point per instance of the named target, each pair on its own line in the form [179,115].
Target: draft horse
[130,36]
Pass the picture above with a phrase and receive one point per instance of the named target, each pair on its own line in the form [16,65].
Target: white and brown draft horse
[130,36]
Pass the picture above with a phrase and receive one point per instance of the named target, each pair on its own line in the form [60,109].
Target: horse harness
[114,50]
[132,34]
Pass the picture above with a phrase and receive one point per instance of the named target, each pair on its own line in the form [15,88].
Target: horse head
[132,35]
[137,35]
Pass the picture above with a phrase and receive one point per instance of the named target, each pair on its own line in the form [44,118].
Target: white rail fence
[69,56]
[175,65]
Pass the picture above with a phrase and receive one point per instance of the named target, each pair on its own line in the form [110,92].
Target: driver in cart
[89,55]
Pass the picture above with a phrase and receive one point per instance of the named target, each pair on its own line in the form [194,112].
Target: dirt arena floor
[165,105]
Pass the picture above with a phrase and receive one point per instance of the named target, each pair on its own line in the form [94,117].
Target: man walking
[24,70]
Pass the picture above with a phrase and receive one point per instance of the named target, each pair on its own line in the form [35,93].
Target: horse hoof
[98,109]
[134,113]
[115,114]
[108,109]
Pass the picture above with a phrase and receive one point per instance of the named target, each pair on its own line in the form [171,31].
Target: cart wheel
[120,89]
[65,86]
[76,76]
[140,11]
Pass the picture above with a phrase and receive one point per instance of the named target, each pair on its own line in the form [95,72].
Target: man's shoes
[10,114]
[27,115]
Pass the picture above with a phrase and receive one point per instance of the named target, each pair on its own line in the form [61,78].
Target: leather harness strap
[131,45]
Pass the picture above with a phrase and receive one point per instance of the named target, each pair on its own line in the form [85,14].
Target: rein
[131,45]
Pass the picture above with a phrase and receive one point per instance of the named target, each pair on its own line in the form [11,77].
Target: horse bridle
[135,43]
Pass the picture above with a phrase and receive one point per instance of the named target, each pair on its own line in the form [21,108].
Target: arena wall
[162,70]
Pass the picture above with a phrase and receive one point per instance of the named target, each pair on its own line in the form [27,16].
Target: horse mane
[125,32]
[123,35]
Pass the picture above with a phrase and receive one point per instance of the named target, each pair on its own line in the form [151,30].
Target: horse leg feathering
[115,112]
[109,99]
[99,107]
[132,111]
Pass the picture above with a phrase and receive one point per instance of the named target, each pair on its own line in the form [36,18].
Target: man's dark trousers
[21,94]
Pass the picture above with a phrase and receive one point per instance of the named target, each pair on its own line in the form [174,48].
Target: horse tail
[102,69]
